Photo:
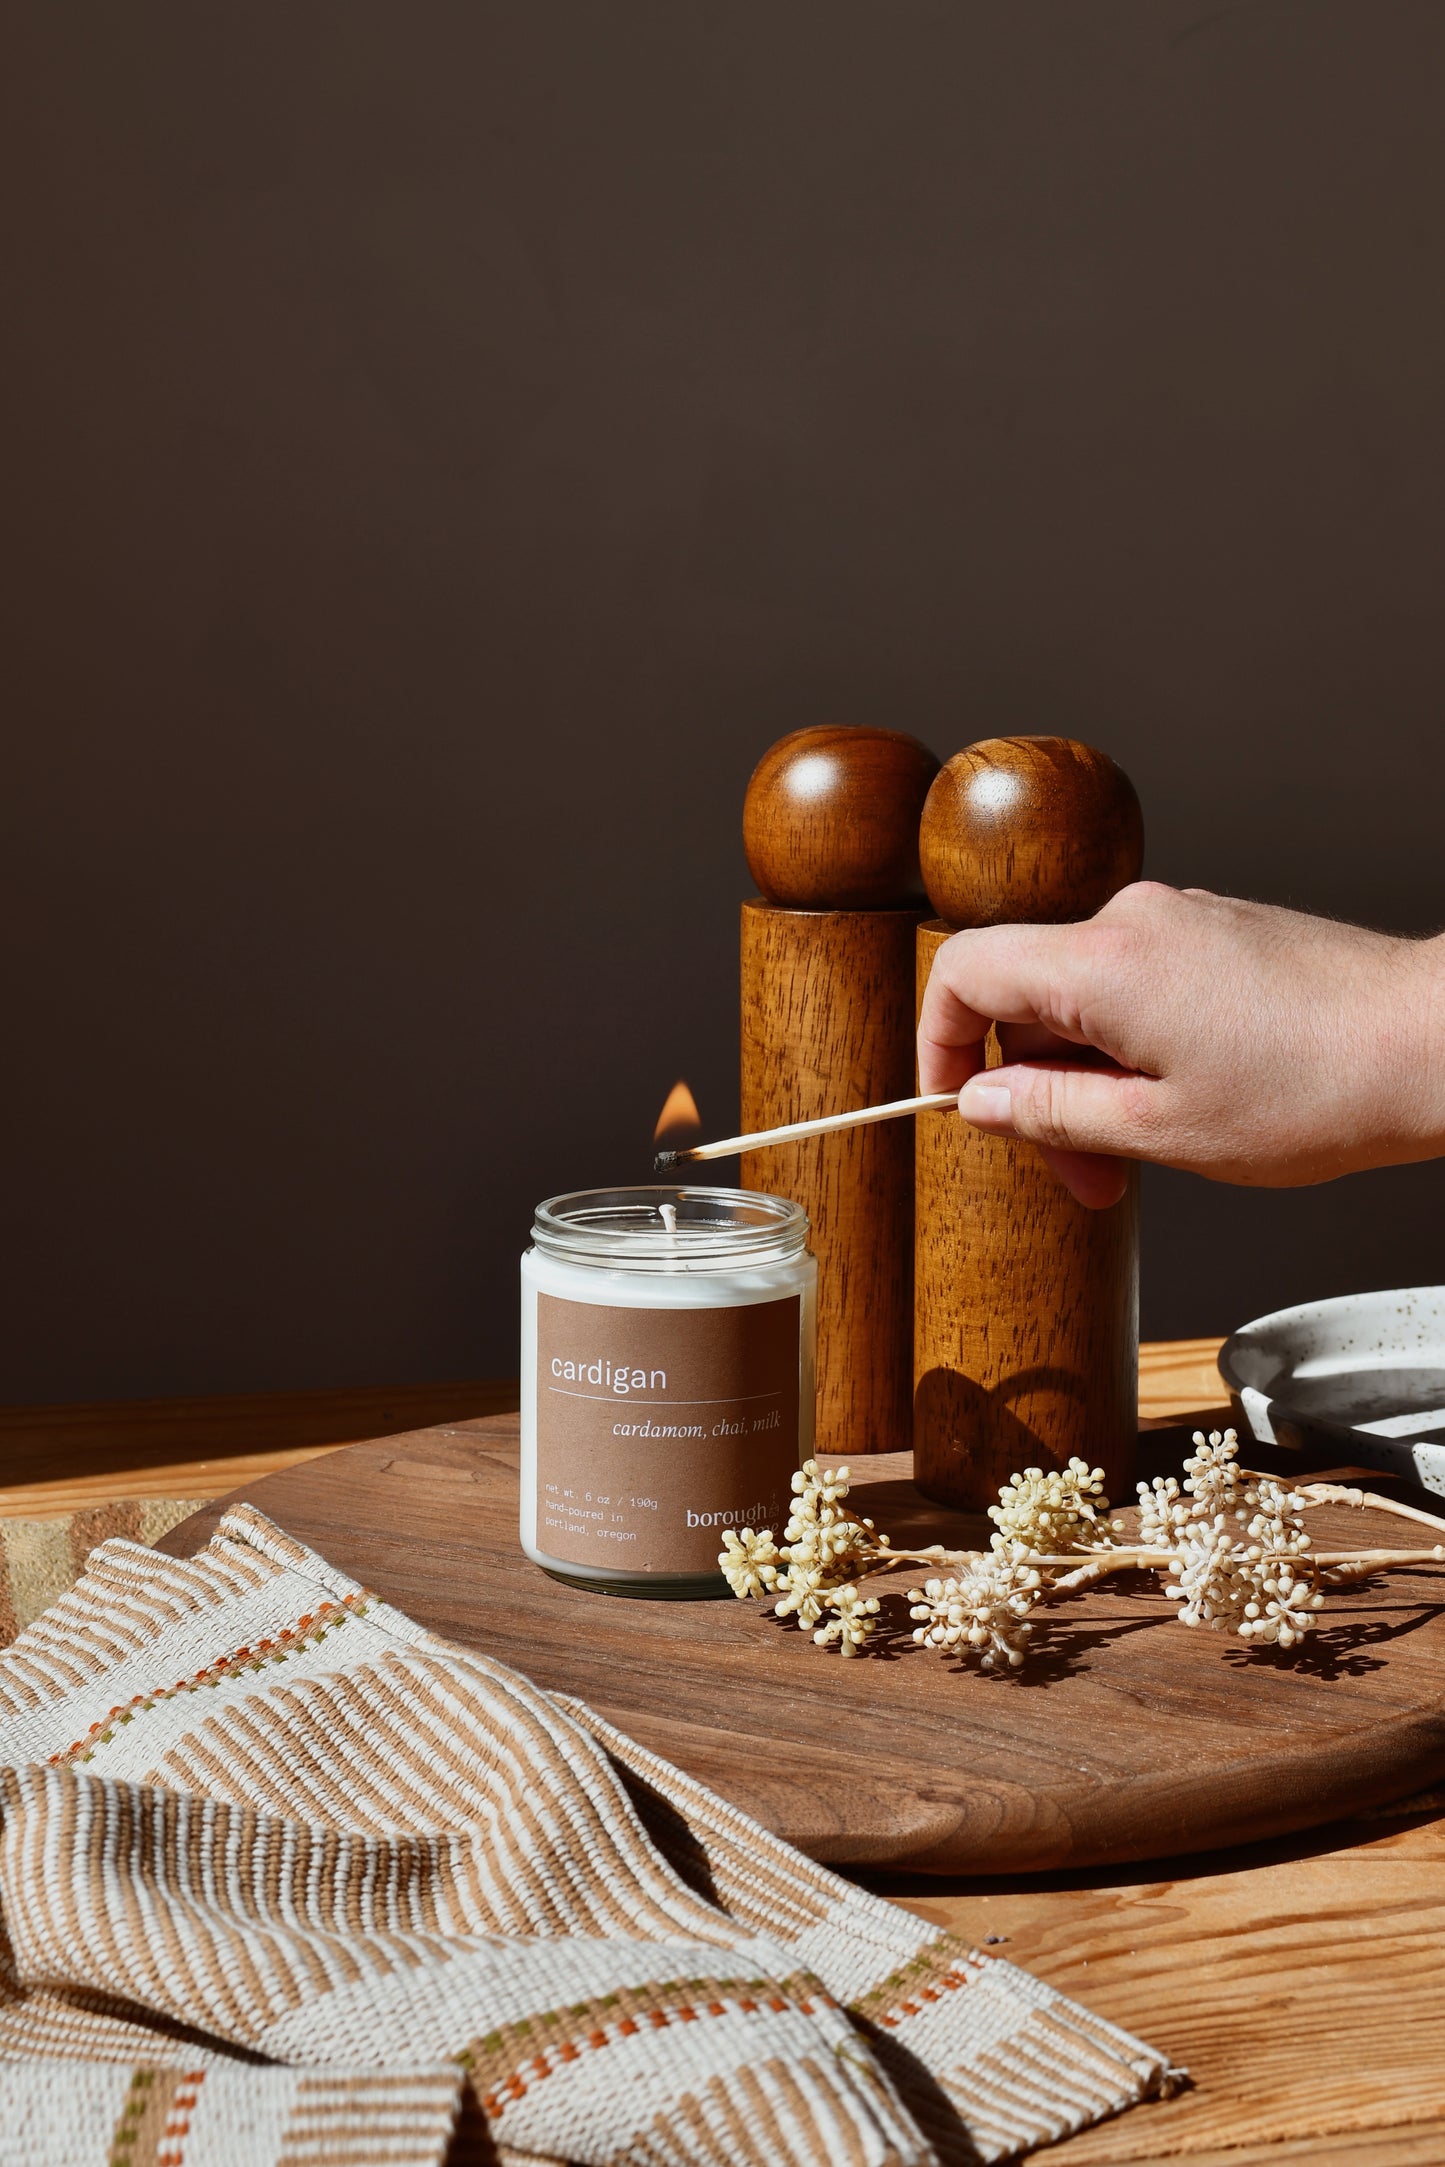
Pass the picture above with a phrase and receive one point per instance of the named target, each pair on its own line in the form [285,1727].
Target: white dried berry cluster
[1237,1543]
[1052,1513]
[980,1612]
[750,1562]
[852,1616]
[826,1548]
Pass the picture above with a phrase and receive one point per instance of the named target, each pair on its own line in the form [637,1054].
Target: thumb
[1085,1121]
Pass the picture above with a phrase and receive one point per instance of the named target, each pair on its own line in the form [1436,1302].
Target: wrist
[1421,1063]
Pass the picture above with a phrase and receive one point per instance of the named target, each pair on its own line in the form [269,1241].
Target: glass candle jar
[667,1381]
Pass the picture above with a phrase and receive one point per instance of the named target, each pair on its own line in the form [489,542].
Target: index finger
[993,974]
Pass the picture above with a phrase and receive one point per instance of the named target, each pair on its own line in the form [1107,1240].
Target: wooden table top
[1298,1982]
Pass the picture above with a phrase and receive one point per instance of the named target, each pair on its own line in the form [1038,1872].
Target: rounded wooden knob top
[830,821]
[1029,830]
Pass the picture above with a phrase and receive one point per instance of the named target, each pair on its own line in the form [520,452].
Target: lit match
[931,1102]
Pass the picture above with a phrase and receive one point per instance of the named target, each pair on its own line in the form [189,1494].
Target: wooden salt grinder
[830,826]
[1026,1315]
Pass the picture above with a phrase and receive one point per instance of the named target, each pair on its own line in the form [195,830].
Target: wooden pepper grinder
[1026,1318]
[830,826]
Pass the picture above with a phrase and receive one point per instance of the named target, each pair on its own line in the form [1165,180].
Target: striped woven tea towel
[286,1878]
[40,1559]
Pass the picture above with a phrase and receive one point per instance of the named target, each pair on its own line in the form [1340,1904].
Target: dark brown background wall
[446,443]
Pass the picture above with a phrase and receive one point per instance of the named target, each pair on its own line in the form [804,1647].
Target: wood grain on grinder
[1128,1737]
[1026,1307]
[827,1023]
[830,824]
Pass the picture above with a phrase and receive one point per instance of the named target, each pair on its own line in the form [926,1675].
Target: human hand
[1242,1042]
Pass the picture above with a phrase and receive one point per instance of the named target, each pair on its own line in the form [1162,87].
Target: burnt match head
[664,1161]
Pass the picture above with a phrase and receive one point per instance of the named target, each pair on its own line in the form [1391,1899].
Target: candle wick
[667,1213]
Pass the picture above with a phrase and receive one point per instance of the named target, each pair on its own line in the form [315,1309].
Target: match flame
[679,1111]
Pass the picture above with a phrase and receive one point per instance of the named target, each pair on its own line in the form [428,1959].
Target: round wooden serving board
[1127,1737]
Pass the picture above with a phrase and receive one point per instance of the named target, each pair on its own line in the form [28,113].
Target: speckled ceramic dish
[1359,1379]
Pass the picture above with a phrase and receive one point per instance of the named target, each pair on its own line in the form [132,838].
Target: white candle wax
[667,1381]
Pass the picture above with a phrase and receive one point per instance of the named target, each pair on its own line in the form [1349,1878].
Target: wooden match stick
[763,1137]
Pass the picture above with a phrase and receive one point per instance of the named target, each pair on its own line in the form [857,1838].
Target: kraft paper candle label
[659,1428]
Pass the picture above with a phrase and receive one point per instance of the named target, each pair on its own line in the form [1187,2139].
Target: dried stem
[1376,1560]
[1079,1568]
[1334,1493]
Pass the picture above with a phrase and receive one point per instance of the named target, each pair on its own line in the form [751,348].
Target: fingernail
[985,1102]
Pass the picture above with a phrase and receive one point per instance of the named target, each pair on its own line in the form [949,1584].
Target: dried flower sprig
[1229,1545]
[1058,1511]
[826,1548]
